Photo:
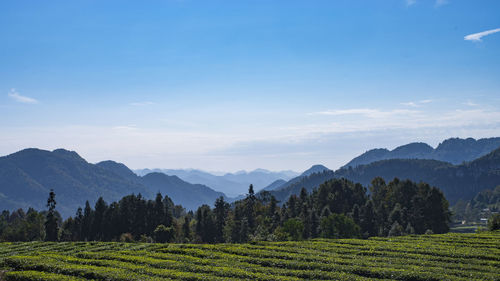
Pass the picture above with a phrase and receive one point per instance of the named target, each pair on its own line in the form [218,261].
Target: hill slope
[27,176]
[190,196]
[315,169]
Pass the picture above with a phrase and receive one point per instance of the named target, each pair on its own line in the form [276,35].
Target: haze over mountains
[27,176]
[232,184]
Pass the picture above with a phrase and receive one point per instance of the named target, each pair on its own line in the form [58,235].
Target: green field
[426,257]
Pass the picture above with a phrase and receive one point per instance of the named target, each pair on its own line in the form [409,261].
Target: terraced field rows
[427,257]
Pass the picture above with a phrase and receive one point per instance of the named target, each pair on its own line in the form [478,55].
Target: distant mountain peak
[259,170]
[275,185]
[414,146]
[119,169]
[315,169]
[452,150]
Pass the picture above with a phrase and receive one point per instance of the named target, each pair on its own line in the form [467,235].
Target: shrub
[127,237]
[339,226]
[494,222]
[294,229]
[164,234]
[396,229]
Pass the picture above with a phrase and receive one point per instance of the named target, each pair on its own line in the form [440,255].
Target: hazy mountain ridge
[462,181]
[231,184]
[275,184]
[453,150]
[300,178]
[27,176]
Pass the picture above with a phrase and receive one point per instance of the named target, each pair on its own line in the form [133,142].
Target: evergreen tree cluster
[23,226]
[132,218]
[338,208]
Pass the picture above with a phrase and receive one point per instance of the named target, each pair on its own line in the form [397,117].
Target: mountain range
[231,184]
[27,176]
[462,181]
[453,150]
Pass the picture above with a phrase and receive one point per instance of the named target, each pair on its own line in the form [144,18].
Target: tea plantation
[426,257]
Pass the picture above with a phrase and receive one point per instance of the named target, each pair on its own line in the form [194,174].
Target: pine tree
[159,210]
[51,227]
[87,222]
[220,211]
[77,230]
[97,223]
[186,229]
[250,209]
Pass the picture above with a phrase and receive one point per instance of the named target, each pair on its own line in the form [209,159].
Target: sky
[233,85]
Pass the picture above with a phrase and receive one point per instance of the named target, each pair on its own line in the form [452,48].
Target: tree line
[338,208]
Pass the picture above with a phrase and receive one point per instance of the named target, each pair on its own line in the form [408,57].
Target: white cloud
[332,138]
[476,37]
[411,2]
[142,103]
[425,101]
[367,112]
[412,104]
[416,103]
[17,97]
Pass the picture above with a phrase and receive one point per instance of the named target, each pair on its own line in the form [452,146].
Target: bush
[494,222]
[396,229]
[145,239]
[164,234]
[127,237]
[339,226]
[294,228]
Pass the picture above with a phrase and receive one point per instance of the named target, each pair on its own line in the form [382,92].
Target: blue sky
[230,85]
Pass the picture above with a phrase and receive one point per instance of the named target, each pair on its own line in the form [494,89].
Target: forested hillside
[453,150]
[456,181]
[27,176]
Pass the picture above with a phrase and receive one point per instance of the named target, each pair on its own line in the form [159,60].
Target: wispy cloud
[410,2]
[416,103]
[438,3]
[142,103]
[470,103]
[126,128]
[367,112]
[476,37]
[412,104]
[13,94]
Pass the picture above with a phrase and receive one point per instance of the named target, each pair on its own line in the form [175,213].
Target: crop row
[426,257]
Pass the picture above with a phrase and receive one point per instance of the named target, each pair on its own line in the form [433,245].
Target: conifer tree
[250,209]
[51,227]
[220,211]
